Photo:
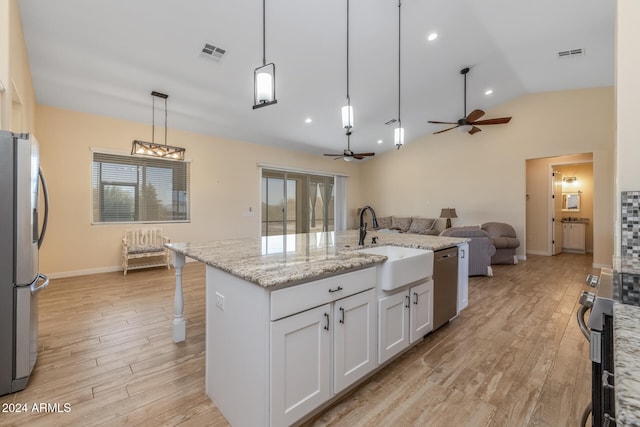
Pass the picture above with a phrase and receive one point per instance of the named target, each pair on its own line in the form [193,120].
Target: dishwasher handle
[446,256]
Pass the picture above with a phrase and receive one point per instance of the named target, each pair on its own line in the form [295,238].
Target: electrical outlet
[220,301]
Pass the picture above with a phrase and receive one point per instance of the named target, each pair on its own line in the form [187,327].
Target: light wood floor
[515,357]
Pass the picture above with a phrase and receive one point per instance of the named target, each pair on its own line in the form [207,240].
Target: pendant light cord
[399,119]
[348,98]
[264,34]
[153,118]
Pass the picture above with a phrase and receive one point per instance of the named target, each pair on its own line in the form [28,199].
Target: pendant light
[398,135]
[151,148]
[264,77]
[347,110]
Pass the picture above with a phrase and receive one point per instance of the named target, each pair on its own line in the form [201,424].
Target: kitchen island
[292,320]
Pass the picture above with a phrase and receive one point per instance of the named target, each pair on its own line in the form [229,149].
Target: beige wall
[484,176]
[627,93]
[225,181]
[17,102]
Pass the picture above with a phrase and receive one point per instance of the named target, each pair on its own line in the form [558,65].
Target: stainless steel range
[598,330]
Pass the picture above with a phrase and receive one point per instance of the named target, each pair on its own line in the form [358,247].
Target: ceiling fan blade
[444,130]
[443,123]
[334,155]
[498,121]
[364,154]
[474,115]
[474,130]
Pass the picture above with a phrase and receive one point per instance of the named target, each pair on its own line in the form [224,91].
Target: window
[294,202]
[135,189]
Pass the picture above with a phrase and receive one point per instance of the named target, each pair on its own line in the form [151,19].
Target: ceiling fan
[349,155]
[469,123]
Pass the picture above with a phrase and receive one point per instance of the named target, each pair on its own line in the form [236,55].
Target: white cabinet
[330,344]
[354,348]
[421,311]
[403,318]
[573,237]
[463,276]
[300,364]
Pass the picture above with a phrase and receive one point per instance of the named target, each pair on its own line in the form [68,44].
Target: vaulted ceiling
[106,56]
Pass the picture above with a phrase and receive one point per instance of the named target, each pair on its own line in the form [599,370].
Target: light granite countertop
[295,258]
[626,353]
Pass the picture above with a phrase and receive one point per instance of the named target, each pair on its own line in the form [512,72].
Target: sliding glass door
[294,202]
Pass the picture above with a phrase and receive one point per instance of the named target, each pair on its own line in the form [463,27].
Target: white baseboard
[544,253]
[63,274]
[74,273]
[595,265]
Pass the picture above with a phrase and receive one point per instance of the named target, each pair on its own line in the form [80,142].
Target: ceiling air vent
[570,53]
[214,52]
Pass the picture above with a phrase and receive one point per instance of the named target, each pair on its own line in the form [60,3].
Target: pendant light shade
[265,85]
[151,148]
[264,77]
[347,117]
[398,137]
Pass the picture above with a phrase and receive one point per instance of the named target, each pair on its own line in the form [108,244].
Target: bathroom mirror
[571,202]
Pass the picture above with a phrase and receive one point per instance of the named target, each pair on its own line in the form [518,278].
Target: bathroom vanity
[294,322]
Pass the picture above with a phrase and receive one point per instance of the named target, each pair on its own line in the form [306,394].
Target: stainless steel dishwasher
[445,286]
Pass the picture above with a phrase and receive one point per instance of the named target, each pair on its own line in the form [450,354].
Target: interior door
[556,219]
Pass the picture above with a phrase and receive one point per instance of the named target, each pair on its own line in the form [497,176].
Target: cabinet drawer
[295,299]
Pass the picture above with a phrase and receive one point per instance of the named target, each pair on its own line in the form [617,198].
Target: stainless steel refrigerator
[21,234]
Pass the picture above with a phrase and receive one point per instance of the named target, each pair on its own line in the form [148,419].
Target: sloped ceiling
[106,56]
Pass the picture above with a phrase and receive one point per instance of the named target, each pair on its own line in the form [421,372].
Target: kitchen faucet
[363,225]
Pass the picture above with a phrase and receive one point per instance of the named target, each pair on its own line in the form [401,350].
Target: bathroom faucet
[363,225]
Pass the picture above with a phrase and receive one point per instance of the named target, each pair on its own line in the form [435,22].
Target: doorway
[549,180]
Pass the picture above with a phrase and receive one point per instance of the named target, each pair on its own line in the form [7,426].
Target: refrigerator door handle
[35,289]
[45,193]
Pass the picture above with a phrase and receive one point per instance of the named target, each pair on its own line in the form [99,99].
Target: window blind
[136,189]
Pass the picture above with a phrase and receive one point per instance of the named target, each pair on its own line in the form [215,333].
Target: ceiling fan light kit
[469,123]
[264,77]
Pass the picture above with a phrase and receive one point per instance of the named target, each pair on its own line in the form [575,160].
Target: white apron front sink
[403,265]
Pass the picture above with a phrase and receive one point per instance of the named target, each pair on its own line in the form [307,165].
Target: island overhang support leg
[179,327]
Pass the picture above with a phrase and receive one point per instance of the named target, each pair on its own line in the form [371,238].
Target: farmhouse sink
[403,265]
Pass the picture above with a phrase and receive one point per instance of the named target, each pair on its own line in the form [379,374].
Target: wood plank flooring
[515,357]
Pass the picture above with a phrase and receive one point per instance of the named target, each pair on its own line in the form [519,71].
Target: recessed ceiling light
[431,37]
[488,92]
[308,120]
[379,141]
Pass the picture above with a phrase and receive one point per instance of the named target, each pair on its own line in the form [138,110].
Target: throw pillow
[400,223]
[420,225]
[384,222]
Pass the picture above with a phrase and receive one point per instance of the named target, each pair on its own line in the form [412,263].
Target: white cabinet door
[354,338]
[393,325]
[421,311]
[300,364]
[573,237]
[463,276]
